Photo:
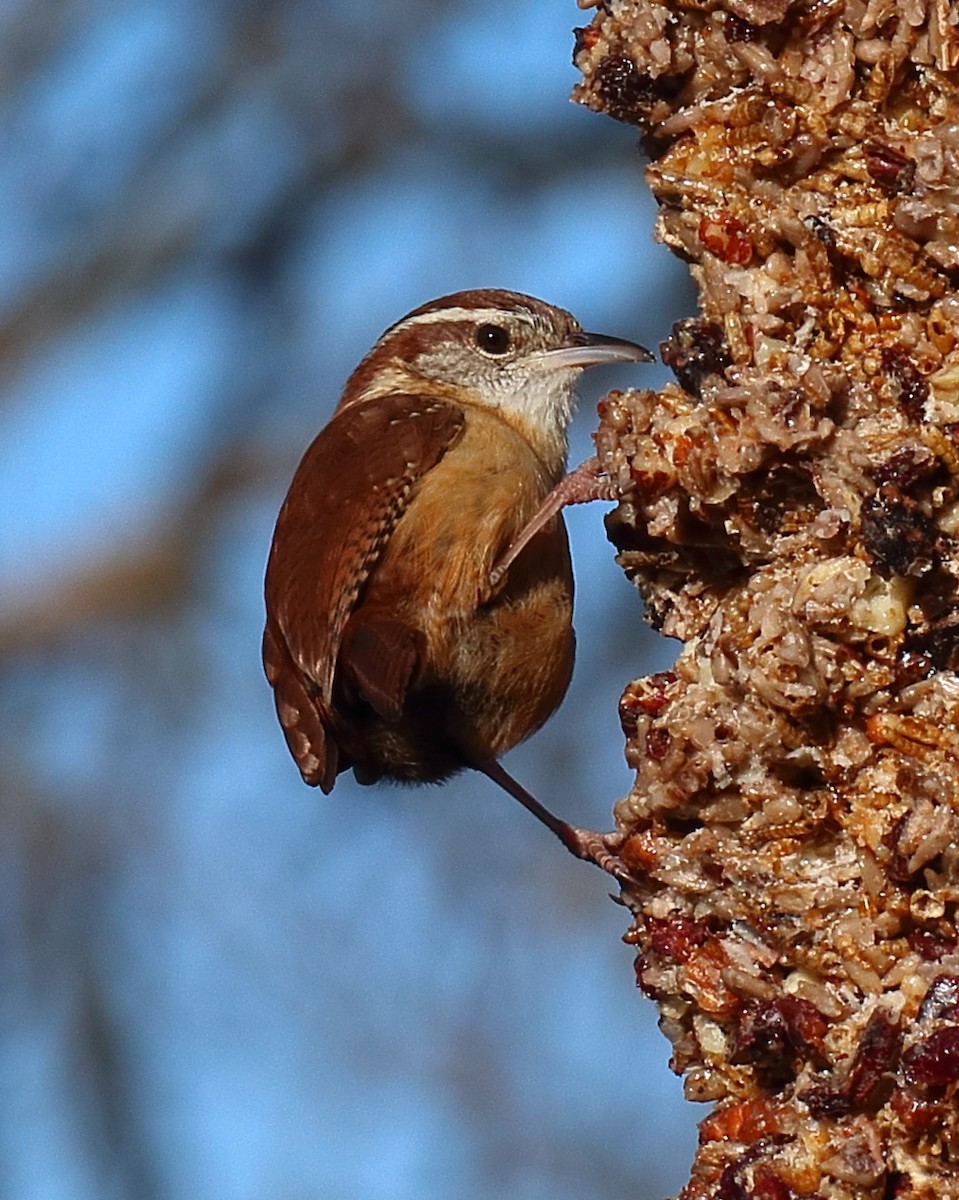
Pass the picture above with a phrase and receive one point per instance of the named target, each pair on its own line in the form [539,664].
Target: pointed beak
[582,349]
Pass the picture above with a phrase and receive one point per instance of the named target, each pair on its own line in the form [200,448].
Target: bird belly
[505,672]
[512,666]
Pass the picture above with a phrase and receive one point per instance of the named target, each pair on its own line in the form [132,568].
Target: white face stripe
[461,314]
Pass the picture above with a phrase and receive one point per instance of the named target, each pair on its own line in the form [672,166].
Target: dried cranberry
[867,1081]
[826,1100]
[898,535]
[675,938]
[942,999]
[917,1113]
[628,94]
[695,350]
[889,167]
[780,1030]
[935,649]
[906,468]
[645,697]
[766,1184]
[914,391]
[876,1055]
[931,947]
[897,867]
[658,683]
[727,237]
[934,1062]
[657,744]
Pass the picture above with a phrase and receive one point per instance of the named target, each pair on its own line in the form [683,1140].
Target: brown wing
[351,488]
[380,656]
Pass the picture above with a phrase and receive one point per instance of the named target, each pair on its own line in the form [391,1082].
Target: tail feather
[306,730]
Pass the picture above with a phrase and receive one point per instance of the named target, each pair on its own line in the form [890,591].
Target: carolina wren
[403,636]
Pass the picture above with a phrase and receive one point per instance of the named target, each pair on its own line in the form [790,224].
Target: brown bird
[419,589]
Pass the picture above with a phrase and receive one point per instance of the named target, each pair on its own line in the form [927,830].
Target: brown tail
[298,708]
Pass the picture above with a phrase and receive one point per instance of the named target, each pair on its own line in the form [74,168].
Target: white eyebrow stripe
[459,314]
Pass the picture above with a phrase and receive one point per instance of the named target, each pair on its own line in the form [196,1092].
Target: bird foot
[584,483]
[601,849]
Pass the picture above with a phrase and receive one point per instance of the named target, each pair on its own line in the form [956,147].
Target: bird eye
[494,339]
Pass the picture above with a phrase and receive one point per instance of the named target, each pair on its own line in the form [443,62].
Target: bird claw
[601,849]
[584,483]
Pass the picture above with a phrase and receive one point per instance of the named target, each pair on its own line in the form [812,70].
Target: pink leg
[601,849]
[586,482]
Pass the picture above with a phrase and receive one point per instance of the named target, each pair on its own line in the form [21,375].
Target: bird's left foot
[601,849]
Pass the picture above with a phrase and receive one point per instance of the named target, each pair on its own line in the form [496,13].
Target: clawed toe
[601,849]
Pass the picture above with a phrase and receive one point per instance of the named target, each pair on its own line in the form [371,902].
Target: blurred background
[214,982]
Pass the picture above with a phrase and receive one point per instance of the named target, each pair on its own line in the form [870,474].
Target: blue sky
[388,993]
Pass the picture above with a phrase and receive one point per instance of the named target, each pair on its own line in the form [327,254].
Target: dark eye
[494,339]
